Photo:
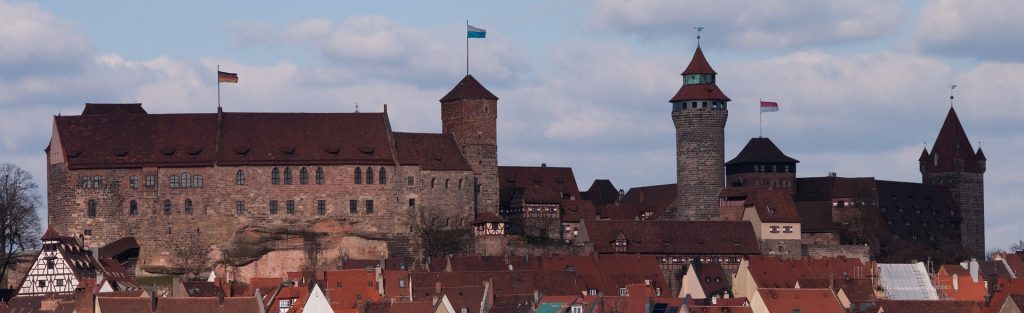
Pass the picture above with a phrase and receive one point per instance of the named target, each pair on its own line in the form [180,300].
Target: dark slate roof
[602,192]
[430,151]
[655,199]
[118,247]
[542,184]
[761,150]
[827,188]
[109,108]
[577,210]
[952,143]
[202,289]
[468,88]
[50,234]
[815,216]
[934,203]
[699,92]
[698,64]
[674,237]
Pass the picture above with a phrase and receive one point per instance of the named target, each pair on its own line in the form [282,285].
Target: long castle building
[116,170]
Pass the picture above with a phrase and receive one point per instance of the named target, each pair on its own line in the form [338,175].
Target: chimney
[973,267]
[993,287]
[437,287]
[832,174]
[378,272]
[152,301]
[956,282]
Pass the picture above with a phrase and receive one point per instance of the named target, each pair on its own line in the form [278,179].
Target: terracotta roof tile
[542,184]
[931,306]
[804,300]
[655,199]
[430,151]
[699,92]
[674,237]
[698,64]
[574,211]
[488,217]
[468,88]
[776,272]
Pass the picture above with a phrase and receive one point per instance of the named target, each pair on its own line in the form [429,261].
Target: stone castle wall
[214,205]
[968,191]
[473,122]
[700,155]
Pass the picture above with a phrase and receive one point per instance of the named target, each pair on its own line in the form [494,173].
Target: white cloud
[32,39]
[984,29]
[758,24]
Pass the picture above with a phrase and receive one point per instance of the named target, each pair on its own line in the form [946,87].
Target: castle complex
[235,177]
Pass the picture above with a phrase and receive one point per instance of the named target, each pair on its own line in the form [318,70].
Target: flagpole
[218,87]
[760,119]
[467,47]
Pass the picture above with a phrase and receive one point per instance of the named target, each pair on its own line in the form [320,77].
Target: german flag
[225,77]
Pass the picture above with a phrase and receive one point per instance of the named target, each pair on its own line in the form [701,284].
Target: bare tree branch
[19,223]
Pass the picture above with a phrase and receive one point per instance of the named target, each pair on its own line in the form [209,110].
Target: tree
[192,254]
[436,236]
[19,223]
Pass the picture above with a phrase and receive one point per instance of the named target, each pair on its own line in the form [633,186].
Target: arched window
[167,207]
[186,180]
[275,176]
[319,176]
[240,178]
[91,212]
[197,181]
[174,181]
[287,176]
[446,183]
[383,177]
[369,176]
[359,176]
[97,182]
[188,206]
[303,176]
[133,208]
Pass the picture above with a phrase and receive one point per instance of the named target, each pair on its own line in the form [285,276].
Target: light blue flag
[474,32]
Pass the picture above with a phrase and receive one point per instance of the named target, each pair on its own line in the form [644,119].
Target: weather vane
[951,87]
[699,29]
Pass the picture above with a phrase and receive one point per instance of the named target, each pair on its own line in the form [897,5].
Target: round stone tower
[469,112]
[699,112]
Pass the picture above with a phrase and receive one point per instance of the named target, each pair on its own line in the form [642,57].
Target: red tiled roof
[346,288]
[117,247]
[771,205]
[718,309]
[952,143]
[542,184]
[468,297]
[931,306]
[112,108]
[804,300]
[50,234]
[761,150]
[202,289]
[577,210]
[516,283]
[488,217]
[775,272]
[468,88]
[674,237]
[699,92]
[168,305]
[430,151]
[698,64]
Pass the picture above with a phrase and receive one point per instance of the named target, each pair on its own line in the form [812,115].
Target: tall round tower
[469,112]
[699,112]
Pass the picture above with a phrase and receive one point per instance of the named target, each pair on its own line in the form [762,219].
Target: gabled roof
[430,151]
[577,210]
[804,300]
[761,150]
[655,199]
[602,192]
[952,143]
[674,237]
[488,217]
[906,282]
[934,306]
[542,184]
[770,205]
[111,108]
[468,88]
[506,283]
[50,234]
[698,64]
[776,272]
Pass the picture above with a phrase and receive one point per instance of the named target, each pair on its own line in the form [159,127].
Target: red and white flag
[769,106]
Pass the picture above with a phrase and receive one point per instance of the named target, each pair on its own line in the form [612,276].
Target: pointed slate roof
[924,155]
[468,88]
[761,150]
[952,143]
[50,234]
[980,155]
[698,65]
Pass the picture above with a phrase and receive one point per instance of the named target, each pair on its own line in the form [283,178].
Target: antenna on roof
[357,106]
[951,87]
[699,29]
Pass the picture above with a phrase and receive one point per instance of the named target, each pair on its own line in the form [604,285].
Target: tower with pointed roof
[955,164]
[761,164]
[469,112]
[699,112]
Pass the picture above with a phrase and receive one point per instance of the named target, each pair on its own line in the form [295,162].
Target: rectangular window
[291,206]
[87,232]
[273,207]
[787,229]
[409,181]
[321,207]
[150,180]
[60,283]
[240,207]
[412,204]
[133,182]
[353,206]
[41,284]
[50,264]
[773,229]
[369,206]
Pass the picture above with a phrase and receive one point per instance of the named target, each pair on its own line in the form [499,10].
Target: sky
[863,85]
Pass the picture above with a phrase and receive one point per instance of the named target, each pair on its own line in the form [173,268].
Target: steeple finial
[699,29]
[951,87]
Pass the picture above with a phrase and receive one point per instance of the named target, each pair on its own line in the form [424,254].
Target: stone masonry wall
[473,122]
[700,155]
[214,212]
[968,191]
